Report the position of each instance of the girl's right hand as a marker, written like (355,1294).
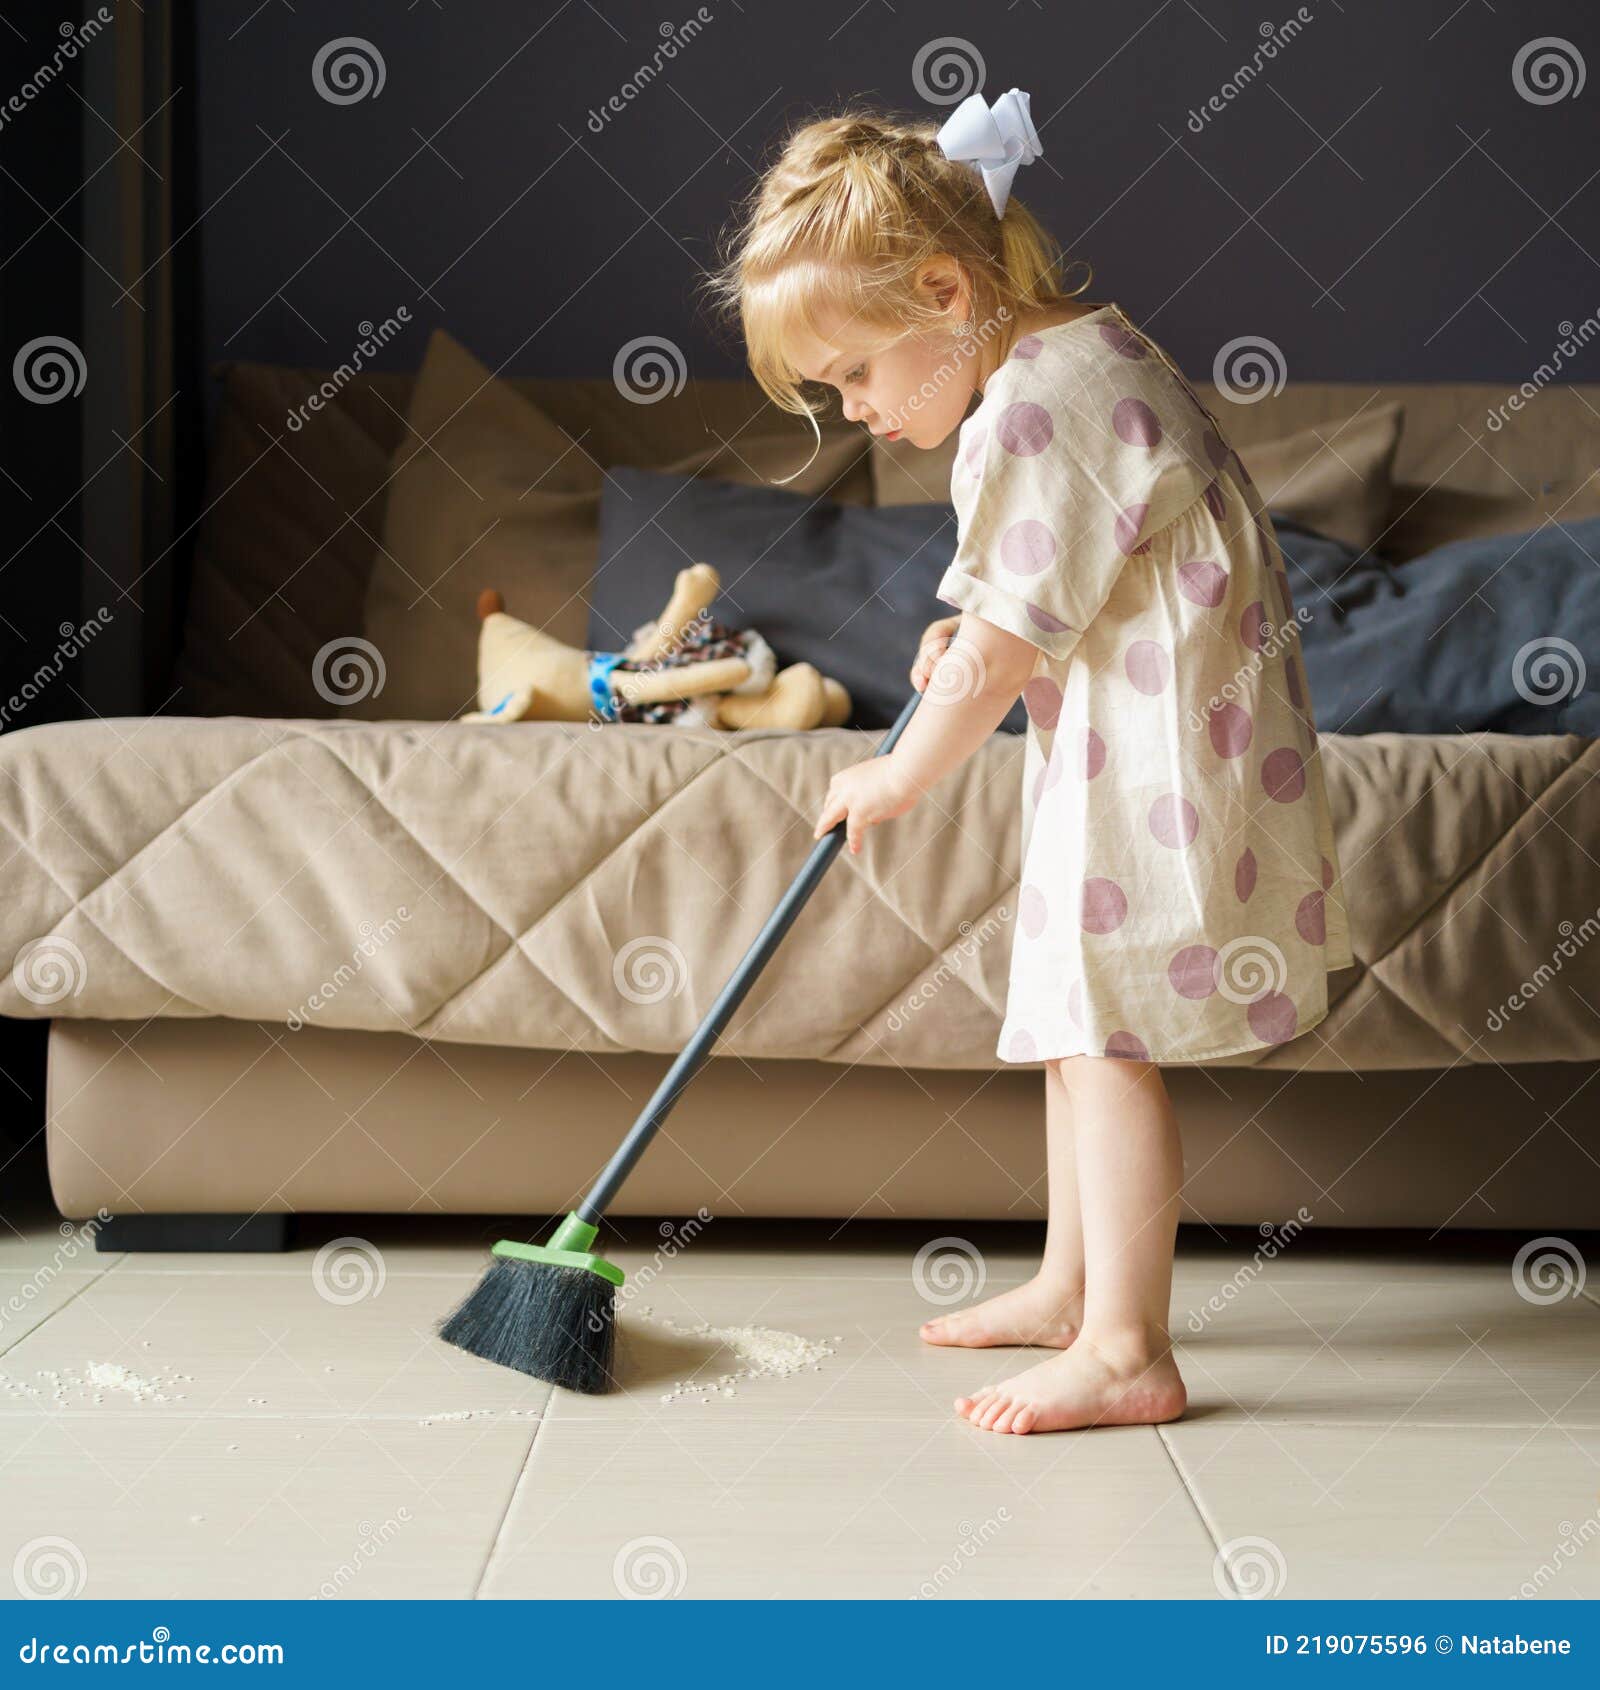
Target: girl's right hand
(935,638)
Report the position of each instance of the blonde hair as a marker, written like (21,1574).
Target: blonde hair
(846,220)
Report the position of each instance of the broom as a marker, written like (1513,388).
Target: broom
(550,1309)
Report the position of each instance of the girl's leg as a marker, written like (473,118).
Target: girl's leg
(1063,1262)
(1048,1309)
(1130,1172)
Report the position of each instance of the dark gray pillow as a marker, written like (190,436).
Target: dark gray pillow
(1499,634)
(846,587)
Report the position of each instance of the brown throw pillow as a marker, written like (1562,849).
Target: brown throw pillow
(1335,477)
(292,518)
(488,491)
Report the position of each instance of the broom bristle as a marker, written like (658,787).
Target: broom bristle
(554,1322)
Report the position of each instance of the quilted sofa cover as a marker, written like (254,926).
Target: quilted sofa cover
(565,887)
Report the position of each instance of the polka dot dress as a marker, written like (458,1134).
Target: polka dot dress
(1180,892)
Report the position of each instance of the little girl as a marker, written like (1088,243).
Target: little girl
(1180,897)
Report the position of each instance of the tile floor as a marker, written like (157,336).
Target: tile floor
(1371,1415)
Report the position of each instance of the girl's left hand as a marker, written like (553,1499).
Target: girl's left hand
(864,795)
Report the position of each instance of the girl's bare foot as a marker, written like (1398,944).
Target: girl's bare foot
(1041,1312)
(1122,1381)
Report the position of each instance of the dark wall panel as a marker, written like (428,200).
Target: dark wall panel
(1379,199)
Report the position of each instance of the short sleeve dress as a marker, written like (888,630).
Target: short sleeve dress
(1180,893)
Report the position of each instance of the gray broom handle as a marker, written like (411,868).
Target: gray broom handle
(732,995)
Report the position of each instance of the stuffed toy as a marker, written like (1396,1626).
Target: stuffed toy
(683,669)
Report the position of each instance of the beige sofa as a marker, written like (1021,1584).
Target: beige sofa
(574,899)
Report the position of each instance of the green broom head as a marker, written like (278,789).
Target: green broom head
(548,1310)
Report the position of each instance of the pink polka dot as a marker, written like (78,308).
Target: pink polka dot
(1042,697)
(972,452)
(1193,971)
(1215,502)
(1243,469)
(1043,619)
(1028,347)
(1311,919)
(1129,1047)
(1203,582)
(1027,547)
(1126,531)
(1024,428)
(1215,450)
(1297,695)
(1272,1018)
(1094,754)
(1121,341)
(1032,911)
(1148,666)
(1075,1003)
(1022,1048)
(1244,875)
(1105,905)
(1327,874)
(1174,821)
(1251,623)
(1135,424)
(1283,774)
(1231,730)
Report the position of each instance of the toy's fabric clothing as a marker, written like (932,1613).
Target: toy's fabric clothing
(1180,896)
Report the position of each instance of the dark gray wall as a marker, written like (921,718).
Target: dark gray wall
(1381,202)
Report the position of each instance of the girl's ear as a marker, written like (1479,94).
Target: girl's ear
(942,279)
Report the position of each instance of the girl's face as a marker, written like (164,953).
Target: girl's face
(918,389)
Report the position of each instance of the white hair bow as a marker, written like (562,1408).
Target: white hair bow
(997,139)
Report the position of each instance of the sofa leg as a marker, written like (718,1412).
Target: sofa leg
(250,1233)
